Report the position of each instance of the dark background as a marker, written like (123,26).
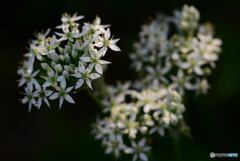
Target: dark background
(64,135)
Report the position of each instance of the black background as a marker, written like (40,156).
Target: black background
(64,135)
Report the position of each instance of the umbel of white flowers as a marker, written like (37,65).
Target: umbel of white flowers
(59,64)
(176,51)
(174,54)
(131,117)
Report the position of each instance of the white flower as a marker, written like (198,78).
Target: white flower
(68,35)
(52,78)
(202,86)
(101,129)
(70,19)
(85,75)
(42,94)
(158,72)
(130,125)
(193,64)
(63,93)
(27,77)
(95,59)
(114,145)
(69,27)
(208,47)
(53,44)
(97,25)
(37,51)
(158,128)
(138,150)
(41,36)
(148,120)
(180,82)
(29,98)
(137,60)
(106,42)
(188,18)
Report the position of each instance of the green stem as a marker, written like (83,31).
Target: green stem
(94,98)
(176,145)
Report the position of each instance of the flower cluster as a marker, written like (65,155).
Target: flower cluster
(176,51)
(132,117)
(59,64)
(174,54)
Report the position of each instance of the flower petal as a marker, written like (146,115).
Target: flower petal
(77,75)
(143,157)
(98,68)
(134,157)
(114,47)
(46,84)
(99,44)
(60,78)
(89,84)
(198,70)
(22,82)
(69,89)
(69,98)
(63,83)
(39,103)
(90,68)
(128,150)
(114,40)
(94,76)
(107,34)
(85,59)
(142,143)
(104,62)
(103,50)
(46,101)
(81,67)
(48,92)
(54,96)
(79,83)
(61,102)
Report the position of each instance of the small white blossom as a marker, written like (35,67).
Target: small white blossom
(52,78)
(63,93)
(70,19)
(95,59)
(27,74)
(29,98)
(53,44)
(181,82)
(42,94)
(68,35)
(107,42)
(188,18)
(85,75)
(114,145)
(139,150)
